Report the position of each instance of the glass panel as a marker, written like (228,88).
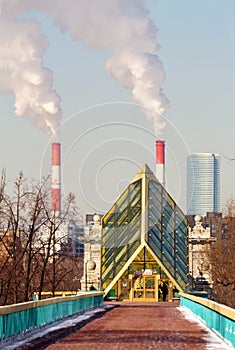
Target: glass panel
(168,232)
(149,282)
(138,293)
(121,231)
(139,287)
(149,294)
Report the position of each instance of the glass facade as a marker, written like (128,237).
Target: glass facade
(203,183)
(167,232)
(144,232)
(121,232)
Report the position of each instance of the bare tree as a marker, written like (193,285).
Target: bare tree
(222,259)
(30,240)
(31,246)
(11,210)
(56,231)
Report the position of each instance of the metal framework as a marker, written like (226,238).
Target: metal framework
(144,232)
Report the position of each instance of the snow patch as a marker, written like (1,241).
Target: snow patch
(213,339)
(55,326)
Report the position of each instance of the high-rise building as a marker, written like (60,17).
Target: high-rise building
(203,183)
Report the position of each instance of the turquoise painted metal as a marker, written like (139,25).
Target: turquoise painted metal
(216,316)
(20,318)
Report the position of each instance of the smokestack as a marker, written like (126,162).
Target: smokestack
(160,162)
(55,178)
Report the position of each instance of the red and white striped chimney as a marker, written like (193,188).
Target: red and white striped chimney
(160,162)
(55,178)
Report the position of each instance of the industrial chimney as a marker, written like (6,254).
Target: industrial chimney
(55,178)
(160,161)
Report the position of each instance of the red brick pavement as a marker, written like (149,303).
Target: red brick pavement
(137,326)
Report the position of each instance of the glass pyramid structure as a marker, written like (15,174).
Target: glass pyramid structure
(144,233)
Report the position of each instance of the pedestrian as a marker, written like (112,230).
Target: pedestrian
(164,291)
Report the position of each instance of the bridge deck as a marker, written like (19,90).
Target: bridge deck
(139,326)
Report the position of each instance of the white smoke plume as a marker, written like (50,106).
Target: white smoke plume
(122,27)
(21,69)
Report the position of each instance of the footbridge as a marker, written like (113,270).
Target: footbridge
(85,321)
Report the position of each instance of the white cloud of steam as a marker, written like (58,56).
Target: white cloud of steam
(22,72)
(122,27)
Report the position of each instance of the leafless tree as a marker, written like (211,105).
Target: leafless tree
(11,219)
(222,260)
(56,232)
(30,237)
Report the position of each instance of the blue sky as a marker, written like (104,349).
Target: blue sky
(105,137)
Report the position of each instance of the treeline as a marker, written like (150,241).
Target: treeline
(34,252)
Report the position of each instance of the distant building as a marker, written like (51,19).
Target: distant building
(200,241)
(89,219)
(92,253)
(75,237)
(219,226)
(203,183)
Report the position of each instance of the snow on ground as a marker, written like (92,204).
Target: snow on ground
(40,332)
(213,339)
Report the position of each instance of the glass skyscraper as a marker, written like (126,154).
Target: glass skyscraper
(203,183)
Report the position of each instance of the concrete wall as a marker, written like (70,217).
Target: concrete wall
(217,317)
(18,318)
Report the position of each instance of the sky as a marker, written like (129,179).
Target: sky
(104,133)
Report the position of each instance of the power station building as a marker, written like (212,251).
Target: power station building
(144,243)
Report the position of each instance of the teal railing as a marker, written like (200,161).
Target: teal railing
(19,318)
(217,317)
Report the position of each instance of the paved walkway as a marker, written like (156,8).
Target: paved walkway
(138,326)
